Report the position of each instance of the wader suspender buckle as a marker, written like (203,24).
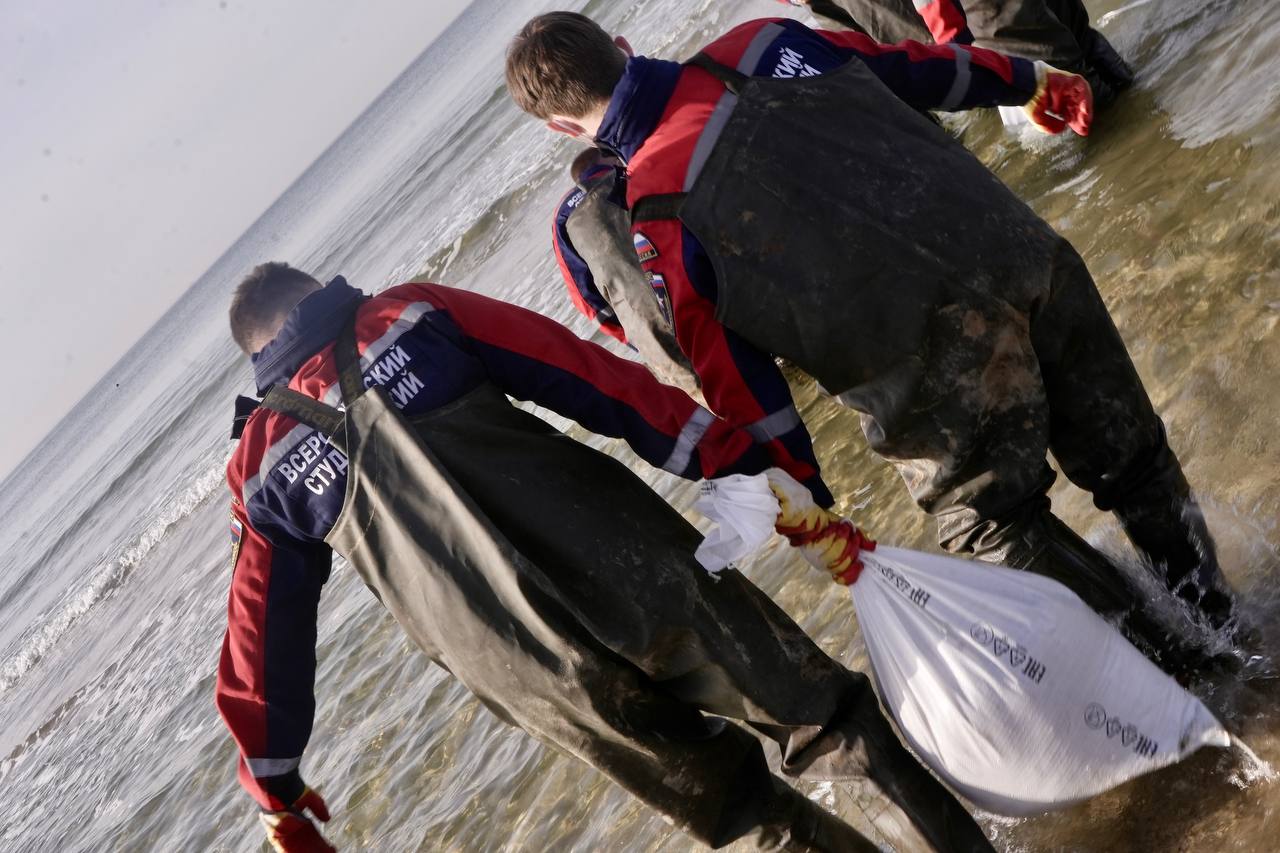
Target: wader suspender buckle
(732,78)
(653,208)
(347,356)
(667,205)
(314,413)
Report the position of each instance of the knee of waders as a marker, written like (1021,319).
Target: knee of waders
(1008,536)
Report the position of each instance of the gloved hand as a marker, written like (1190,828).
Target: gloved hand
(1061,100)
(828,542)
(291,831)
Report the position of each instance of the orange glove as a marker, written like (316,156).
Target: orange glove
(828,542)
(291,831)
(1062,100)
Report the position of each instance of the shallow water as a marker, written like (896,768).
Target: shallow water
(113,570)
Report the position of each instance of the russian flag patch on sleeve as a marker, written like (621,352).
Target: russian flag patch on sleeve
(237,534)
(659,284)
(645,250)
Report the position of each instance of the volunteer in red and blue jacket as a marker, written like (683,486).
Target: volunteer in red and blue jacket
(543,574)
(799,206)
(591,237)
(1055,31)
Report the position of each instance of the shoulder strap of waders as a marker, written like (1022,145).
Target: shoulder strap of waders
(309,411)
(657,207)
(667,205)
(347,356)
(732,78)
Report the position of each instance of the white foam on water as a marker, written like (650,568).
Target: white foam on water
(1251,769)
(1115,13)
(107,578)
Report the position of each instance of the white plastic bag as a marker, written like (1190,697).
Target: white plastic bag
(1005,683)
(1014,118)
(745,510)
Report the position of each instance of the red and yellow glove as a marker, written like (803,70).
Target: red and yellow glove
(828,542)
(1062,100)
(291,831)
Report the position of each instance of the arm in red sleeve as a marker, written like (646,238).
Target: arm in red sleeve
(265,685)
(941,76)
(531,357)
(741,383)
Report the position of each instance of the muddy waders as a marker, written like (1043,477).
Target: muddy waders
(1055,31)
(886,21)
(1034,29)
(921,292)
(563,593)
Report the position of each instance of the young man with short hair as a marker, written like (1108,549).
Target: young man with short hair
(543,574)
(799,206)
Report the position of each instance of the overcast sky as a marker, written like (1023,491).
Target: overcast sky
(138,140)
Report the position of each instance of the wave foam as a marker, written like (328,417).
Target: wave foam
(106,579)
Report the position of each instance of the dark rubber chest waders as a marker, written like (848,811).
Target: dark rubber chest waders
(886,21)
(856,239)
(563,593)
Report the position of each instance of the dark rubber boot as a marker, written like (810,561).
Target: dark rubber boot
(1174,654)
(1109,64)
(1166,525)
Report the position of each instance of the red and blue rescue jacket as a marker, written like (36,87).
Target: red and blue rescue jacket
(654,121)
(426,345)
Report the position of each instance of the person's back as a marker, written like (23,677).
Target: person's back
(879,195)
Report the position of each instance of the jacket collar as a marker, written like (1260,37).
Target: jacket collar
(637,104)
(311,326)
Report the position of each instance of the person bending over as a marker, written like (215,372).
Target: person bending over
(1055,31)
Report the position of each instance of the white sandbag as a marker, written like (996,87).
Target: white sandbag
(1005,683)
(1012,689)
